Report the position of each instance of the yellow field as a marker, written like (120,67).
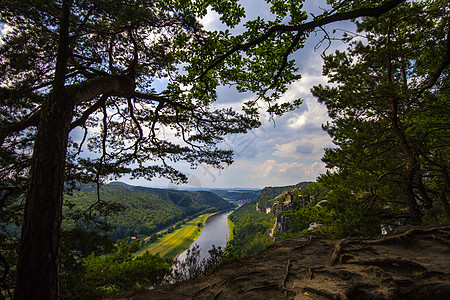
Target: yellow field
(170,245)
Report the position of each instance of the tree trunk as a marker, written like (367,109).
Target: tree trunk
(38,268)
(410,157)
(40,246)
(408,190)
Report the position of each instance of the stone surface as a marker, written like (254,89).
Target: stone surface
(414,264)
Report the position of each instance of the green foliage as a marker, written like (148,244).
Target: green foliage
(146,210)
(340,218)
(78,244)
(389,106)
(120,271)
(301,196)
(268,194)
(192,267)
(94,61)
(250,231)
(313,192)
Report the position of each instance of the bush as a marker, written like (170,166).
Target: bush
(120,271)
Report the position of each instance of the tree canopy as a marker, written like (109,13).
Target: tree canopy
(389,107)
(129,75)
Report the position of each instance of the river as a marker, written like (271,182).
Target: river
(215,232)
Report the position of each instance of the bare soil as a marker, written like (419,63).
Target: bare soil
(414,264)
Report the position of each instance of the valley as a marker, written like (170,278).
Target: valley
(172,244)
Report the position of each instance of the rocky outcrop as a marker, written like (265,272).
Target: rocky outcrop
(279,209)
(410,265)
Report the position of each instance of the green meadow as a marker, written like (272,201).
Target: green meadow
(230,229)
(171,244)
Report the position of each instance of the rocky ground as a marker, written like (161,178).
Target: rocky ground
(414,264)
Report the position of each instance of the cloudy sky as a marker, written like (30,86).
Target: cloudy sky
(283,152)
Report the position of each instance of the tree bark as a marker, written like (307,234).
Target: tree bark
(40,247)
(38,268)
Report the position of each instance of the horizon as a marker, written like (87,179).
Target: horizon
(284,150)
(118,182)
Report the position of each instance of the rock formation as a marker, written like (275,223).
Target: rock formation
(414,264)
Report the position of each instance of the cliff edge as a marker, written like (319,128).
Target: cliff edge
(413,264)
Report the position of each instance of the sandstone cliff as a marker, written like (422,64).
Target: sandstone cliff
(414,264)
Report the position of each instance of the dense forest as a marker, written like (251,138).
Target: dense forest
(93,69)
(141,211)
(97,255)
(254,225)
(250,231)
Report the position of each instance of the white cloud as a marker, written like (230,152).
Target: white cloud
(310,147)
(297,121)
(287,153)
(211,21)
(286,172)
(4,31)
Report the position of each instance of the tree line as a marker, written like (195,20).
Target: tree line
(88,66)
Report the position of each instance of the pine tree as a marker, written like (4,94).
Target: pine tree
(96,66)
(389,103)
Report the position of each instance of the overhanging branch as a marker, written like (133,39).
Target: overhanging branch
(89,111)
(362,12)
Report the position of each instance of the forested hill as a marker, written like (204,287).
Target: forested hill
(268,194)
(144,210)
(236,195)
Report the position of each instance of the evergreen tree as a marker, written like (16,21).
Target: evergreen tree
(389,105)
(95,65)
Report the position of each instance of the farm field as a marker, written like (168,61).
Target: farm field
(171,244)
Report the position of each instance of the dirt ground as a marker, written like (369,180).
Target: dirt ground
(414,264)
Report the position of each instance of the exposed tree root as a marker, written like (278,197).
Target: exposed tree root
(303,245)
(217,295)
(444,241)
(336,252)
(339,274)
(226,280)
(201,290)
(310,274)
(283,283)
(429,274)
(350,291)
(400,237)
(380,262)
(386,268)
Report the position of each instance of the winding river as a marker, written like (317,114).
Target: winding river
(215,233)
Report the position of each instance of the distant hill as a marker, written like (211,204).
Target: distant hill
(147,210)
(236,195)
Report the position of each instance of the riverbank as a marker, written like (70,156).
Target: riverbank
(230,230)
(171,244)
(413,264)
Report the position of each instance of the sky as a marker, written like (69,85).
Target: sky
(282,152)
